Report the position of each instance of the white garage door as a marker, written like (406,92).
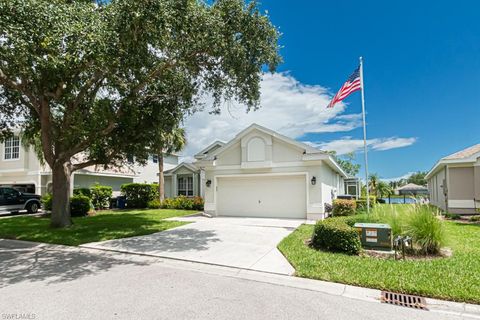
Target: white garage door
(262,196)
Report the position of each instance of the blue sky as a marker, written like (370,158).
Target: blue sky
(422,70)
(422,80)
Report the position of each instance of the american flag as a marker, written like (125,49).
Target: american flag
(352,84)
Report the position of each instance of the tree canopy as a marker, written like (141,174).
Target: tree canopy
(89,83)
(347,163)
(418,178)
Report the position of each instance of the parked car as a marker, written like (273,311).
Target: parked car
(12,200)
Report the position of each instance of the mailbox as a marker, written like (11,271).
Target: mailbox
(375,235)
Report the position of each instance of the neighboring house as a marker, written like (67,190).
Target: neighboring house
(20,168)
(261,173)
(454,182)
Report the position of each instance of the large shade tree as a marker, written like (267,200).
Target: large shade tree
(87,83)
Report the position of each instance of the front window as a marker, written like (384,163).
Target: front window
(12,148)
(185,186)
(155,158)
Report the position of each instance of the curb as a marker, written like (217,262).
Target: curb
(331,288)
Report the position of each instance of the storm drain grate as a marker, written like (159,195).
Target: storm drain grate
(404,300)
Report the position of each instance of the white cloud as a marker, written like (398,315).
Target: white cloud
(393,143)
(405,176)
(287,106)
(347,144)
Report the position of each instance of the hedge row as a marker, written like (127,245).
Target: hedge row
(80,205)
(180,202)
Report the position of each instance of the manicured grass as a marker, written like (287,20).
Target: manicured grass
(455,278)
(106,225)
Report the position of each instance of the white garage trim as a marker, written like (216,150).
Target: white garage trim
(214,205)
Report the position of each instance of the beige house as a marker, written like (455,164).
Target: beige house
(20,168)
(261,173)
(454,182)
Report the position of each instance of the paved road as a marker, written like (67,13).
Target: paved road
(57,283)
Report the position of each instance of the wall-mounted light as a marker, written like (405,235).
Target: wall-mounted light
(209,183)
(313,181)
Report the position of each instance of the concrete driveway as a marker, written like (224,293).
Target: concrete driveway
(247,243)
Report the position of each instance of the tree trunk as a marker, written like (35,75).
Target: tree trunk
(61,179)
(161,179)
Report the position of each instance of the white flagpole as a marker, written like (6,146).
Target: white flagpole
(364,133)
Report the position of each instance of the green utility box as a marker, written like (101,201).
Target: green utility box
(375,235)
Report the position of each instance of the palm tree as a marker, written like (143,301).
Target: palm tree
(372,183)
(383,189)
(169,142)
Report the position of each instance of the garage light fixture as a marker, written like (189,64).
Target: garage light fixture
(209,183)
(313,181)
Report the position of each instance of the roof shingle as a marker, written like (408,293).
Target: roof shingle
(466,153)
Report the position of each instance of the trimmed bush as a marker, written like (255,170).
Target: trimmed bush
(335,235)
(139,194)
(79,205)
(343,207)
(47,202)
(154,204)
(82,191)
(101,196)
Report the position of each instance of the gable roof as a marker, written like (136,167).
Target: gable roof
(465,153)
(307,148)
(187,165)
(203,153)
(309,151)
(468,155)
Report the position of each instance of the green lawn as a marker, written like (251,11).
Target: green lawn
(455,278)
(106,225)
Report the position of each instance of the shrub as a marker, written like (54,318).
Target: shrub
(82,191)
(101,196)
(139,194)
(362,203)
(47,202)
(168,203)
(154,204)
(342,207)
(79,205)
(335,235)
(183,203)
(426,229)
(474,218)
(198,203)
(453,216)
